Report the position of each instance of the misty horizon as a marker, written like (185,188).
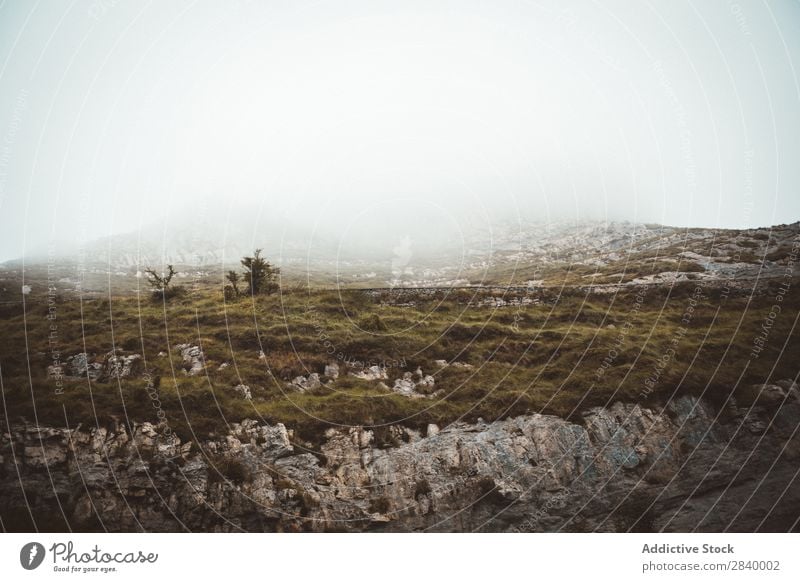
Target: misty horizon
(373,122)
(234,231)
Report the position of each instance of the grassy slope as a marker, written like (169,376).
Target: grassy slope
(536,358)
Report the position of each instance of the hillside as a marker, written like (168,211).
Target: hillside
(614,323)
(529,254)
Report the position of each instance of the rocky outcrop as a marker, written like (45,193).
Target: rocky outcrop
(193,359)
(332,370)
(119,366)
(244,391)
(371,373)
(306,383)
(112,366)
(415,385)
(682,467)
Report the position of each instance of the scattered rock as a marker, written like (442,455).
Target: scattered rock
(244,391)
(427,381)
(408,386)
(332,370)
(304,384)
(123,366)
(371,373)
(404,386)
(80,365)
(462,365)
(112,366)
(192,359)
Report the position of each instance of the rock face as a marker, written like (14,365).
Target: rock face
(679,468)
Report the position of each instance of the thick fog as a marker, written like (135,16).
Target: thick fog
(357,120)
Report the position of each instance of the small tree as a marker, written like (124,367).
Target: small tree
(233,278)
(259,274)
(161,283)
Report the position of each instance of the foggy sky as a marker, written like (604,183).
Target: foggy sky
(376,117)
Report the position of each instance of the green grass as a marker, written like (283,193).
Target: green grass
(537,358)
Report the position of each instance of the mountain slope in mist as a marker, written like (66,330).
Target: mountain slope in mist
(418,254)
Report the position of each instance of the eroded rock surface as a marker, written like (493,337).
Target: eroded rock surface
(625,467)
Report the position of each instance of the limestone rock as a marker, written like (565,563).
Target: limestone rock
(678,468)
(304,384)
(244,391)
(118,366)
(411,383)
(462,365)
(81,366)
(371,373)
(193,359)
(404,386)
(112,366)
